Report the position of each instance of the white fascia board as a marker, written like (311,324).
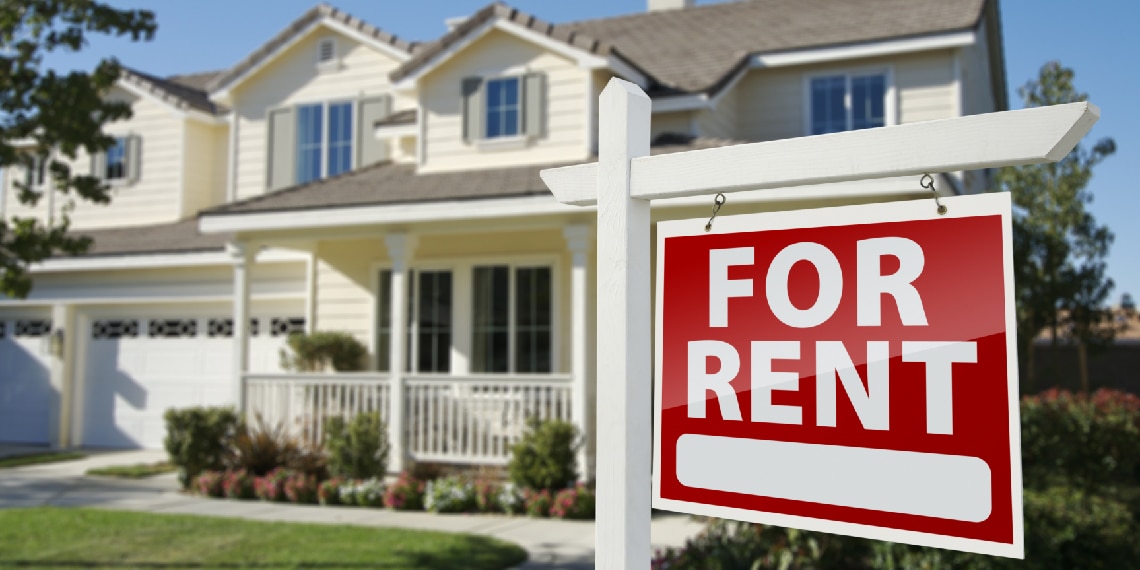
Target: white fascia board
(864,50)
(396,131)
(626,71)
(681,103)
(410,82)
(451,210)
(156,261)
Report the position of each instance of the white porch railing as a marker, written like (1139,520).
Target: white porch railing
(302,402)
(476,419)
(449,419)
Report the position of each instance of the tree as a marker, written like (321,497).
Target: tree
(1059,248)
(48,118)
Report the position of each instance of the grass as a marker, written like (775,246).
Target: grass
(136,471)
(39,458)
(85,538)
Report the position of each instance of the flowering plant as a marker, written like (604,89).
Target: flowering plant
(509,499)
(537,503)
(301,488)
(272,486)
(238,485)
(405,494)
(209,483)
(574,503)
(449,495)
(369,493)
(486,496)
(328,492)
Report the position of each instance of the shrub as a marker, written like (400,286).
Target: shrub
(405,494)
(209,483)
(358,448)
(369,493)
(272,486)
(197,438)
(238,485)
(301,488)
(261,448)
(537,503)
(510,499)
(545,456)
(450,495)
(487,496)
(317,351)
(731,544)
(328,492)
(1084,441)
(574,503)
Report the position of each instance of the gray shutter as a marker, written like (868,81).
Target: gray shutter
(134,157)
(369,149)
(282,151)
(99,165)
(534,104)
(472,109)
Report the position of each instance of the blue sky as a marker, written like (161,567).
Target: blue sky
(1097,39)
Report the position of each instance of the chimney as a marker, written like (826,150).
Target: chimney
(453,23)
(660,5)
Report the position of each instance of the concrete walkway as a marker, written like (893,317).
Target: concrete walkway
(550,543)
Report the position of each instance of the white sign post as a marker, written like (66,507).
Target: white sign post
(624,181)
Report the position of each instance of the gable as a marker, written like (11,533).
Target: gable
(495,52)
(296,75)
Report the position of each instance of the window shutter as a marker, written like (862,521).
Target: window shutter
(29,173)
(534,104)
(369,149)
(282,151)
(99,165)
(134,157)
(472,109)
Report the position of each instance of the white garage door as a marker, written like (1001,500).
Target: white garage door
(25,381)
(137,368)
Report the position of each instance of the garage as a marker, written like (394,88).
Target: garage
(138,366)
(26,394)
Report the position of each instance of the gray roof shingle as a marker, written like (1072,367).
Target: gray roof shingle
(182,91)
(389,183)
(177,237)
(696,49)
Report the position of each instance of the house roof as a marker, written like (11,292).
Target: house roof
(182,91)
(177,237)
(311,16)
(696,49)
(390,183)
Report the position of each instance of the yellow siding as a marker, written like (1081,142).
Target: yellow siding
(284,279)
(204,187)
(771,101)
(494,54)
(345,286)
(293,78)
(720,122)
(155,197)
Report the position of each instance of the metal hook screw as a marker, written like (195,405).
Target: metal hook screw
(927,181)
(718,201)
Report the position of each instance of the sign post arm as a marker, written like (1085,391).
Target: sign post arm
(624,374)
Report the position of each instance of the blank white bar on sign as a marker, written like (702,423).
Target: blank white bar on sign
(954,487)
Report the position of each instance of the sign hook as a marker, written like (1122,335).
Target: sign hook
(927,181)
(718,201)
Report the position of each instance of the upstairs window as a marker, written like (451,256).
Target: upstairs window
(503,109)
(847,102)
(120,163)
(324,140)
(35,172)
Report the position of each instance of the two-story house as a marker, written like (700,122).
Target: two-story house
(340,178)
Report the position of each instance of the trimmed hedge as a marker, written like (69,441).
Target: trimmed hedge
(197,440)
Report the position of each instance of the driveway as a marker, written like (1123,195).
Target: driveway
(552,544)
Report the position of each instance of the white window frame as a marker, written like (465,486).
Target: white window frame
(39,169)
(890,93)
(326,124)
(512,311)
(463,312)
(503,142)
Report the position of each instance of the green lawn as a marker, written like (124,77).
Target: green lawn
(82,538)
(136,471)
(38,458)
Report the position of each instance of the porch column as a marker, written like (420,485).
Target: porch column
(578,238)
(242,256)
(400,248)
(62,341)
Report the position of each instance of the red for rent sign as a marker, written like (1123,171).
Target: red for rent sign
(849,370)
